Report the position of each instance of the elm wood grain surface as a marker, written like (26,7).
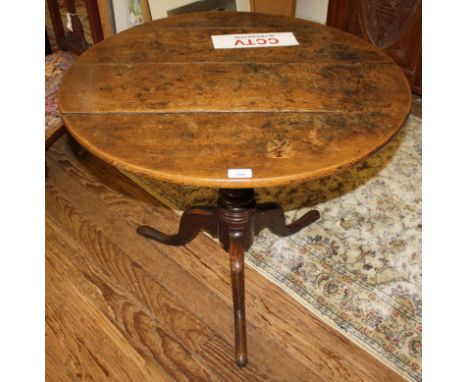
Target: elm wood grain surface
(287,118)
(161,89)
(95,264)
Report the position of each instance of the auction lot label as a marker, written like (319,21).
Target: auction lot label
(254,40)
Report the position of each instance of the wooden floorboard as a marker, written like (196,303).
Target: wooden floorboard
(82,342)
(167,308)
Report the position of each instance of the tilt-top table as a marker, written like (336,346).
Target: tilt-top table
(160,101)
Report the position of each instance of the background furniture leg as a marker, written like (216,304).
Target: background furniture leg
(75,146)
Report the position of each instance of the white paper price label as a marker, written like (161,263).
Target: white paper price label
(239,173)
(254,40)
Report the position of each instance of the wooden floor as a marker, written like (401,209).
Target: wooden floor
(122,308)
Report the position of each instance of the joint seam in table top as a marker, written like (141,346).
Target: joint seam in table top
(232,112)
(323,63)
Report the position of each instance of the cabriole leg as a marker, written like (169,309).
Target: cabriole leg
(236,255)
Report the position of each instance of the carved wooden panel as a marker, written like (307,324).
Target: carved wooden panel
(391,25)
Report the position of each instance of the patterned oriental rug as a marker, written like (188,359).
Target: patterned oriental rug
(359,266)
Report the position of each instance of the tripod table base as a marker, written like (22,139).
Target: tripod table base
(235,222)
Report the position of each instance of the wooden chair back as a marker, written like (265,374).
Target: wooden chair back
(73,39)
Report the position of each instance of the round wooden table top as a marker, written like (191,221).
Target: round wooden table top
(158,100)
